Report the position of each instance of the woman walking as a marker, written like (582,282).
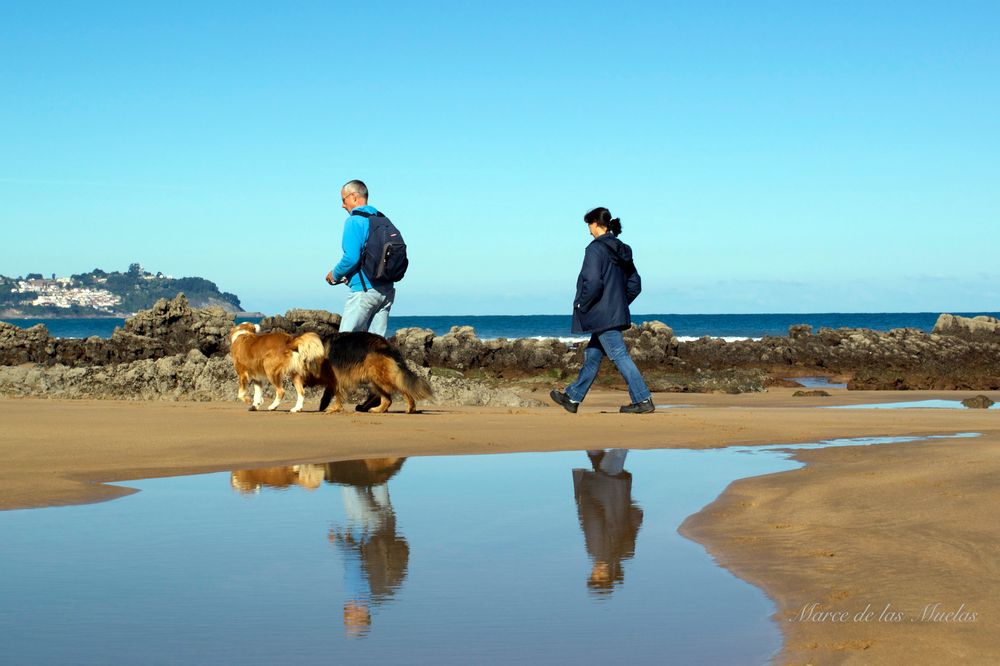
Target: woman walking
(608,283)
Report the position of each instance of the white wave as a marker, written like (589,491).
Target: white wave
(575,340)
(562,339)
(726,338)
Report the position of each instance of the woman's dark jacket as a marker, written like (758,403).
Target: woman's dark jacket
(608,283)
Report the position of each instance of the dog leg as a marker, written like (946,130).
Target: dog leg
(301,391)
(411,406)
(279,395)
(328,380)
(258,396)
(338,401)
(384,402)
(324,402)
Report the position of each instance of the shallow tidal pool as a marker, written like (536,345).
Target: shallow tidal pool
(568,557)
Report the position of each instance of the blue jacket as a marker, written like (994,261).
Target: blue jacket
(355,235)
(608,283)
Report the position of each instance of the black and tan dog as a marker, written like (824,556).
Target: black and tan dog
(358,359)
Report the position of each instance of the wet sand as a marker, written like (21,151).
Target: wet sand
(877,555)
(909,525)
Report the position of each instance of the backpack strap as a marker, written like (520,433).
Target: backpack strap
(364,246)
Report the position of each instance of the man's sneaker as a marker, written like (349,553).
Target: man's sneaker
(563,400)
(644,407)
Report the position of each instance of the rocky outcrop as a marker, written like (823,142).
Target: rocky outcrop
(735,380)
(28,345)
(982,329)
(978,402)
(967,357)
(194,376)
(652,343)
(816,393)
(175,352)
(461,349)
(297,321)
(191,376)
(903,358)
(170,327)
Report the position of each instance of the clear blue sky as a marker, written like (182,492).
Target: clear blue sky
(763,157)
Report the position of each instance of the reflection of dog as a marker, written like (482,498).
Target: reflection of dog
(308,476)
(365,358)
(274,357)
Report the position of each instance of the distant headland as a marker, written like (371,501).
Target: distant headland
(101,294)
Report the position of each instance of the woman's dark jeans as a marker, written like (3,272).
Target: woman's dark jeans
(610,344)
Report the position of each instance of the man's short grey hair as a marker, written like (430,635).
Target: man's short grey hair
(357,187)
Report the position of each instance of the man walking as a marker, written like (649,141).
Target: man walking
(367,307)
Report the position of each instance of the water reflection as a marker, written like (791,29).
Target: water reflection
(375,555)
(248,481)
(609,518)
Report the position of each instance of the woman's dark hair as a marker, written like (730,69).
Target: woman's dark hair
(602,217)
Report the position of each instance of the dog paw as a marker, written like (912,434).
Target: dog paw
(252,408)
(295,410)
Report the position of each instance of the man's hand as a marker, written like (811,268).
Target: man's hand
(329,278)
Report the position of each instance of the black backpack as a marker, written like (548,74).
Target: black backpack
(383,256)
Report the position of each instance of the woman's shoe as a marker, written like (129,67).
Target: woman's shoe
(563,401)
(644,407)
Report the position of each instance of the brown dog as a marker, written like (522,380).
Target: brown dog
(275,357)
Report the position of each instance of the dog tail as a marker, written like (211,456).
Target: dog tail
(307,354)
(414,384)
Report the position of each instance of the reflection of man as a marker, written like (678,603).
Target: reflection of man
(375,557)
(609,519)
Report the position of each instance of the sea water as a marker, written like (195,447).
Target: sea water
(685,326)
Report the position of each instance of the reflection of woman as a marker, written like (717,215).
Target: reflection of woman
(609,519)
(607,284)
(375,557)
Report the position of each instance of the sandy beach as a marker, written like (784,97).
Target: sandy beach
(905,525)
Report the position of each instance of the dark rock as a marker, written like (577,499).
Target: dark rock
(414,343)
(652,342)
(818,393)
(174,327)
(23,345)
(978,402)
(459,348)
(298,321)
(731,381)
(798,331)
(781,382)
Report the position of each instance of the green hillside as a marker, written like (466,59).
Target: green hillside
(99,293)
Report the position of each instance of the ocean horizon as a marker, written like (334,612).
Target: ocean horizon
(685,326)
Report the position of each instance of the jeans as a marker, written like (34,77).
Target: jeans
(368,310)
(610,344)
